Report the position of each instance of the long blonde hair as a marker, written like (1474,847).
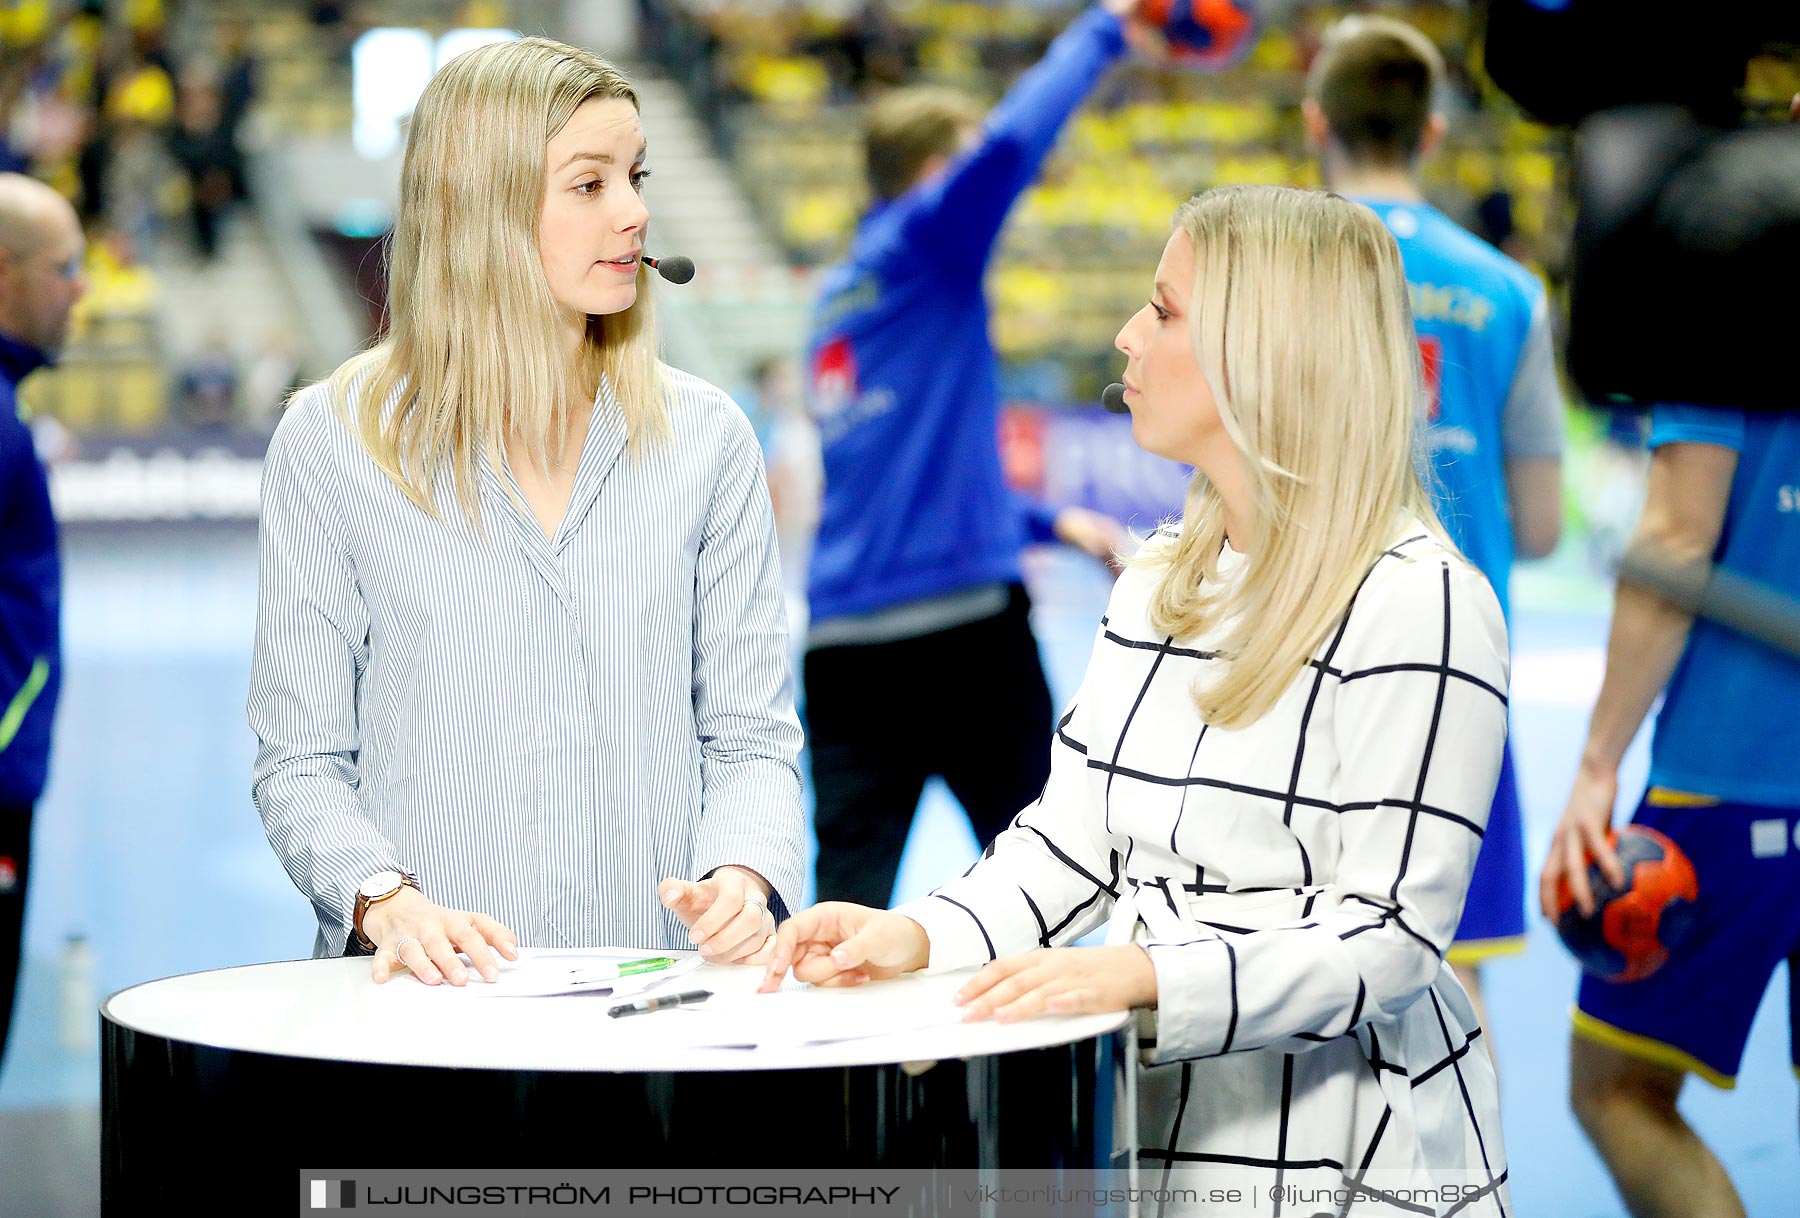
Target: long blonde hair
(1300,323)
(474,346)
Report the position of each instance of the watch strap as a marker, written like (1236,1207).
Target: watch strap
(362,904)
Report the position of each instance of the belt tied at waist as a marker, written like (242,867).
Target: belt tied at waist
(1171,913)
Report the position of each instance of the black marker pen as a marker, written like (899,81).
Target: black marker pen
(659,1003)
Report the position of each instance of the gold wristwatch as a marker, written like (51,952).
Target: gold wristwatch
(376,889)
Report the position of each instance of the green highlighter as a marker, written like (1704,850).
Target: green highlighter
(631,968)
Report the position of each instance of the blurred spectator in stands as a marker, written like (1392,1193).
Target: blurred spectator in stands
(42,123)
(15,79)
(140,105)
(888,50)
(873,50)
(238,77)
(208,385)
(332,21)
(202,146)
(119,283)
(684,41)
(91,76)
(142,91)
(148,26)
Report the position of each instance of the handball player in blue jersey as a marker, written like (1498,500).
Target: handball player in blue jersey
(1724,785)
(920,658)
(1496,409)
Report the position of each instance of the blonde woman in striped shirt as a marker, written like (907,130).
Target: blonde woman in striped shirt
(521,674)
(1273,781)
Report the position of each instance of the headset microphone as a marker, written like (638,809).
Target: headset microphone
(676,268)
(1114,399)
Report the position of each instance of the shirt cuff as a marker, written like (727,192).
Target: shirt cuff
(955,937)
(341,893)
(1196,999)
(756,826)
(777,906)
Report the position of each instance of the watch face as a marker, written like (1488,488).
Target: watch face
(381,884)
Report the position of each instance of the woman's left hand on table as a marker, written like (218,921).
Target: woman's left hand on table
(727,914)
(1061,981)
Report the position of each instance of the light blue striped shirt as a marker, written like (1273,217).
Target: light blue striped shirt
(540,730)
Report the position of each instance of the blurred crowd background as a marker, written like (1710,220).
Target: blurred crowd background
(235,162)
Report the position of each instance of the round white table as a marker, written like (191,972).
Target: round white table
(263,1070)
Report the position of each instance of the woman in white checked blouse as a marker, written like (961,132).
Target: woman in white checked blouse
(1274,778)
(521,674)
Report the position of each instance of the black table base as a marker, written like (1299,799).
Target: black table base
(176,1115)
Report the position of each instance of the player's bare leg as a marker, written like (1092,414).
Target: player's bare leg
(1627,1107)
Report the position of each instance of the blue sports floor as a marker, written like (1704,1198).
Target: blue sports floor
(148,846)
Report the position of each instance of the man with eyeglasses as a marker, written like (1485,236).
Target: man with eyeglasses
(41,249)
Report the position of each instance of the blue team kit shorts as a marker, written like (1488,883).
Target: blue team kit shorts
(1493,920)
(1694,1013)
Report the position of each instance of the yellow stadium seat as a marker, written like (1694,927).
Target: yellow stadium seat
(138,397)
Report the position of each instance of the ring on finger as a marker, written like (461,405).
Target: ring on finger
(761,905)
(403,942)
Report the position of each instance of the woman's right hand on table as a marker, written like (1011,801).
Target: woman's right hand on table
(837,943)
(409,929)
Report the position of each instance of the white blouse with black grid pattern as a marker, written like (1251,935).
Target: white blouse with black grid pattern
(1295,882)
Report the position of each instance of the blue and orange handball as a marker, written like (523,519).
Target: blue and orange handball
(1633,929)
(1207,35)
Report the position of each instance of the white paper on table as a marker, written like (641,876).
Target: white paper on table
(791,1018)
(544,973)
